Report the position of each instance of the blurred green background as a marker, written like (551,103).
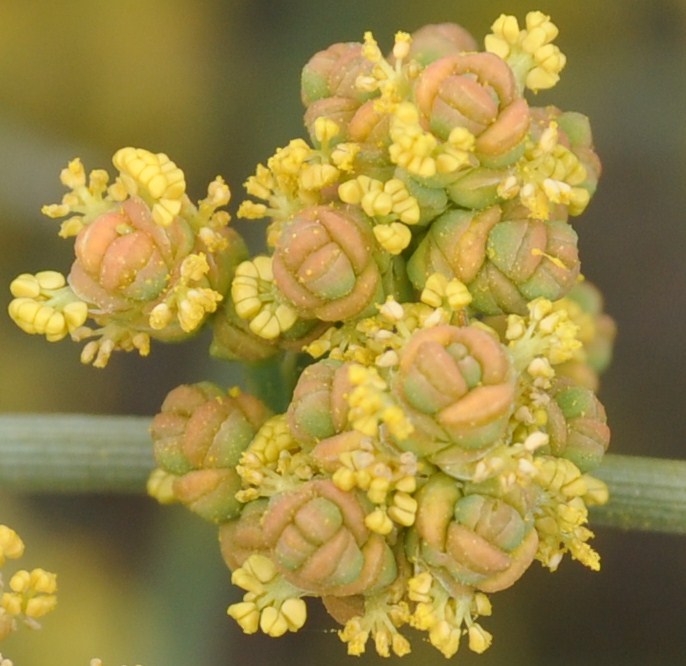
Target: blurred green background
(216,86)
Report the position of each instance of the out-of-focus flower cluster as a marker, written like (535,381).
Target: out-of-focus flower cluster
(27,595)
(420,253)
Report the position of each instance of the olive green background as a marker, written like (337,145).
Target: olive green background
(216,86)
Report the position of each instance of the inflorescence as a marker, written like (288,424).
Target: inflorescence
(419,253)
(28,595)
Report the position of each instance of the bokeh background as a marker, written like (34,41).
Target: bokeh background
(215,84)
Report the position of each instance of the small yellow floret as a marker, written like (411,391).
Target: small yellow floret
(256,299)
(44,305)
(439,291)
(535,61)
(393,237)
(401,47)
(379,522)
(195,305)
(411,148)
(249,210)
(370,48)
(74,175)
(316,177)
(247,616)
(479,639)
(403,509)
(11,545)
(325,129)
(160,486)
(343,155)
(154,177)
(160,316)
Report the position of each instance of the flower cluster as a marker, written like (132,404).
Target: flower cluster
(149,264)
(28,595)
(421,260)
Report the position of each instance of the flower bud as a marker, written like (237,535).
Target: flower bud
(597,334)
(199,436)
(478,540)
(434,41)
(529,259)
(504,263)
(455,245)
(210,493)
(575,134)
(128,266)
(588,435)
(369,128)
(333,72)
(242,537)
(324,264)
(124,257)
(340,110)
(458,387)
(476,91)
(319,406)
(477,188)
(320,543)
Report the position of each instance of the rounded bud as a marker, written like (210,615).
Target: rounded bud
(319,406)
(457,385)
(137,273)
(587,433)
(455,245)
(324,264)
(505,263)
(528,259)
(319,541)
(574,132)
(124,257)
(434,41)
(199,436)
(242,537)
(476,91)
(477,540)
(333,72)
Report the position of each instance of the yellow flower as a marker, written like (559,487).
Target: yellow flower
(11,545)
(31,593)
(257,300)
(535,60)
(153,177)
(45,305)
(271,603)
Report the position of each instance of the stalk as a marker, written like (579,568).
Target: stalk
(647,494)
(76,453)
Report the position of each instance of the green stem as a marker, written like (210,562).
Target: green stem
(645,494)
(273,380)
(74,453)
(112,454)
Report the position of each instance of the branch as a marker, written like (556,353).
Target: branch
(75,453)
(645,494)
